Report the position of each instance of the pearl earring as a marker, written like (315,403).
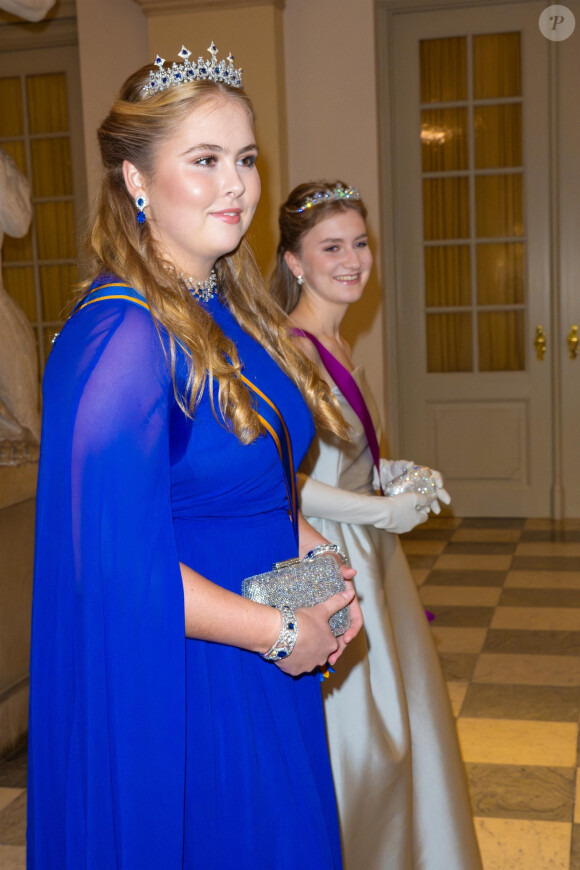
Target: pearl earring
(300,280)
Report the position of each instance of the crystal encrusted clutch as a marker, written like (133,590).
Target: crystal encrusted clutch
(419,479)
(300,583)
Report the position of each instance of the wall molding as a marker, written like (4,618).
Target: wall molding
(167,7)
(14,37)
(57,29)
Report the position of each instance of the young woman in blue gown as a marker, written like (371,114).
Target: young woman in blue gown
(160,736)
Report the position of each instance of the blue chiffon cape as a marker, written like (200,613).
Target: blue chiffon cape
(148,750)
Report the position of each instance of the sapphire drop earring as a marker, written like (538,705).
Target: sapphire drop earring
(141,203)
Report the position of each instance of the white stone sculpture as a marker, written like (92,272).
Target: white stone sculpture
(30,10)
(19,415)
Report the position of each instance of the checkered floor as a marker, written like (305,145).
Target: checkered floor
(506,594)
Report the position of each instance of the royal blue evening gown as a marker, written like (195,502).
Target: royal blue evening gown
(149,750)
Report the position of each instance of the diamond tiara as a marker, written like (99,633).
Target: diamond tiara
(337,193)
(204,70)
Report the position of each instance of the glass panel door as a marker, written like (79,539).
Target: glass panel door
(473,226)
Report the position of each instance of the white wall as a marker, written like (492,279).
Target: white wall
(112,37)
(331,93)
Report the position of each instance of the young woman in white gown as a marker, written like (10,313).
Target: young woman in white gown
(399,778)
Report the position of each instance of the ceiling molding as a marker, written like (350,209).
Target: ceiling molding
(167,7)
(407,6)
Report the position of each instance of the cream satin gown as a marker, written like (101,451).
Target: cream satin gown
(399,778)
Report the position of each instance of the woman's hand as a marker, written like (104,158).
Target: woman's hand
(399,513)
(356,619)
(389,469)
(442,494)
(315,644)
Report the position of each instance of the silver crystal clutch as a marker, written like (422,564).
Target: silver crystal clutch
(419,479)
(300,583)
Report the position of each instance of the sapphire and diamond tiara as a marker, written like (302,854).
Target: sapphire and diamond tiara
(210,69)
(334,194)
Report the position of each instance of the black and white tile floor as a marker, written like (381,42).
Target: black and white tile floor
(506,595)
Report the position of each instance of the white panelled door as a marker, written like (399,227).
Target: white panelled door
(477,95)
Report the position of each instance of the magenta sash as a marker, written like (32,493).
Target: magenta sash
(351,392)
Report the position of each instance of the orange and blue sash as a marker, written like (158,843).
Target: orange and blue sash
(268,414)
(111,290)
(273,422)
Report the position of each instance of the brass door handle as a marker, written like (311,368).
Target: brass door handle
(573,342)
(540,342)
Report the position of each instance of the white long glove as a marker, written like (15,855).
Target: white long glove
(397,514)
(392,468)
(389,469)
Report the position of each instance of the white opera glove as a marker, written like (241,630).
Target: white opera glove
(397,514)
(389,470)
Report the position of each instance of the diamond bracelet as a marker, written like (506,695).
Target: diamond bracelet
(328,548)
(287,637)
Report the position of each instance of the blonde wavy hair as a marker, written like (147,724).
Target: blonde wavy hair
(134,129)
